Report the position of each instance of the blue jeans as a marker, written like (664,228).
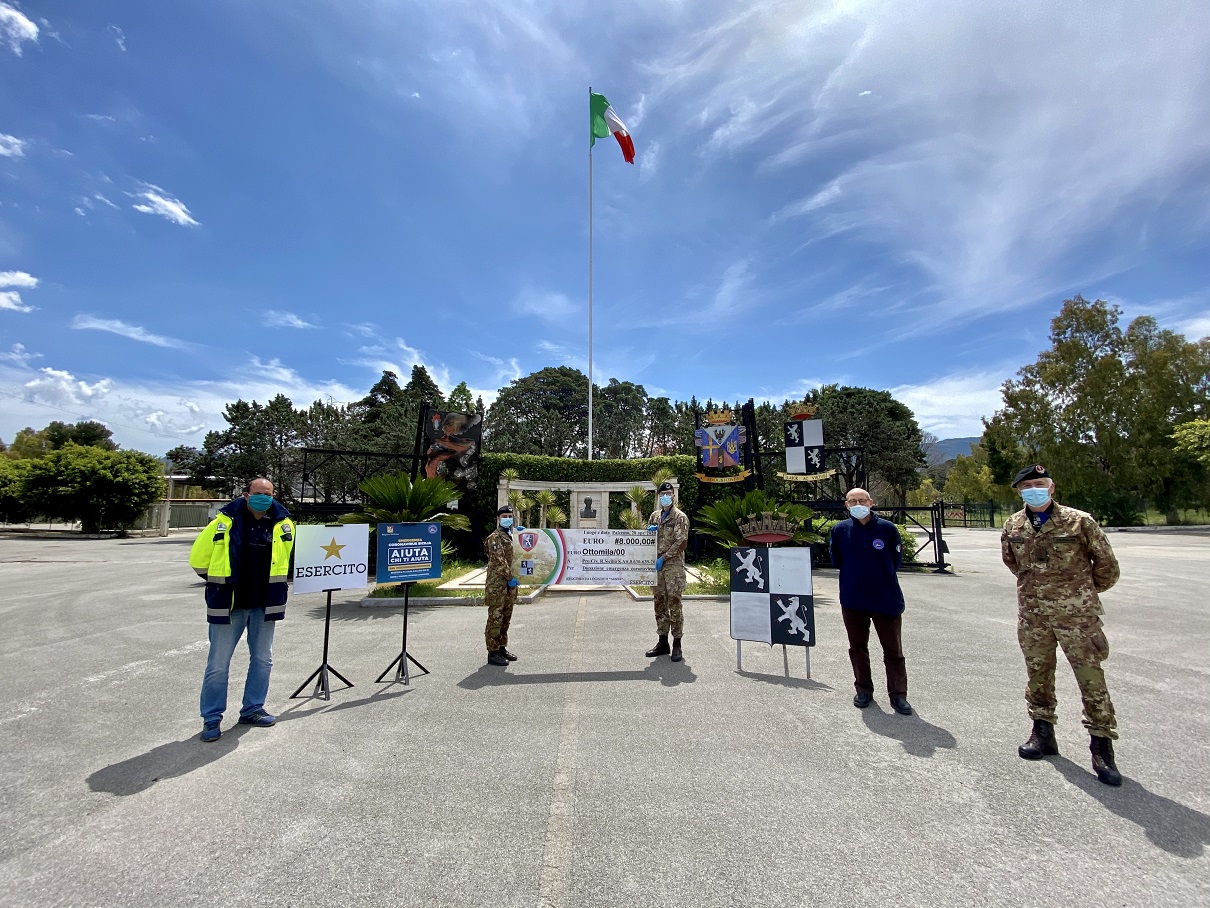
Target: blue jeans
(223,640)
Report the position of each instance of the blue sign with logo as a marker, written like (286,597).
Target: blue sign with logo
(408,551)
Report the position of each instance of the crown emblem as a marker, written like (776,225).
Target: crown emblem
(766,527)
(802,410)
(718,417)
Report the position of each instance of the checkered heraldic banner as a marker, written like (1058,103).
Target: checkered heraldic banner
(804,446)
(771,600)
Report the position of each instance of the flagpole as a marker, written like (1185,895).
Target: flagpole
(590,283)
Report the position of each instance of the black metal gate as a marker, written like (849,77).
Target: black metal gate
(928,519)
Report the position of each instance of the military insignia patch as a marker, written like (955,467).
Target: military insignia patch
(528,541)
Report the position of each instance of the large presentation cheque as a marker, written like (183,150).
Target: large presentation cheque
(585,557)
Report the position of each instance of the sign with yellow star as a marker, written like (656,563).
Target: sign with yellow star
(331,558)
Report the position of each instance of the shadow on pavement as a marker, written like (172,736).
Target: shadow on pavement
(1177,829)
(167,761)
(783,681)
(918,737)
(669,674)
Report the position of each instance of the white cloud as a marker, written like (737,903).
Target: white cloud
(157,201)
(952,406)
(63,389)
(998,149)
(276,318)
(133,332)
(21,279)
(11,300)
(1195,328)
(18,354)
(16,28)
(11,146)
(119,36)
(100,118)
(548,305)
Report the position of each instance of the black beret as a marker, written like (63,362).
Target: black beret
(666,487)
(1037,471)
(504,509)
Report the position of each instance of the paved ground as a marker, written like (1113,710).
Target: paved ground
(586,775)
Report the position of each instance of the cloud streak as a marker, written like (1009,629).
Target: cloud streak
(276,318)
(120,328)
(157,201)
(11,146)
(16,29)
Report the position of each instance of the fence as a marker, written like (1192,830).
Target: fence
(928,520)
(182,515)
(972,514)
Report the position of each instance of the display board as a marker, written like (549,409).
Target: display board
(408,552)
(771,598)
(585,557)
(331,557)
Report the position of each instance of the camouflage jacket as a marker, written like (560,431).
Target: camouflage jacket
(1061,566)
(499,547)
(673,534)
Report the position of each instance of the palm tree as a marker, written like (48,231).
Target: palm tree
(395,498)
(520,505)
(556,516)
(722,519)
(634,518)
(545,500)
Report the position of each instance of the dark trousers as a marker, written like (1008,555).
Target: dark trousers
(889,629)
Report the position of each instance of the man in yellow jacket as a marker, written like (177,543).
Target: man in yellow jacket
(244,557)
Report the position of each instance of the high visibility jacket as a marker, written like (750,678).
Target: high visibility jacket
(215,556)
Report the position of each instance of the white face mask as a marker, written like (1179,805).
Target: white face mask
(859,511)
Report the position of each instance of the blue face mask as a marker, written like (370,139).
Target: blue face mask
(260,502)
(1036,498)
(859,511)
(506,522)
(665,501)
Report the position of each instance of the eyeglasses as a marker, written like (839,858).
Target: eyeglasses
(859,501)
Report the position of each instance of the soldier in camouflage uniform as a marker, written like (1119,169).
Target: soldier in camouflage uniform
(500,589)
(671,526)
(1061,560)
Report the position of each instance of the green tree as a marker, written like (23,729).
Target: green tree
(422,389)
(880,425)
(969,480)
(29,443)
(618,415)
(395,498)
(542,413)
(14,507)
(1099,409)
(1193,438)
(460,399)
(101,489)
(86,433)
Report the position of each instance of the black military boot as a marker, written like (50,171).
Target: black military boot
(495,658)
(507,655)
(1102,761)
(676,649)
(661,648)
(1041,742)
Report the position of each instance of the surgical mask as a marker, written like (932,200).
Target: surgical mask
(665,501)
(260,502)
(506,522)
(1036,498)
(860,511)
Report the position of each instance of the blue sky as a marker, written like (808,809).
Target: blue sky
(201,201)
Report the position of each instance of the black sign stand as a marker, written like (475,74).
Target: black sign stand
(402,660)
(322,685)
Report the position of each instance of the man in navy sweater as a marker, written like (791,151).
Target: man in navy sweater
(867,551)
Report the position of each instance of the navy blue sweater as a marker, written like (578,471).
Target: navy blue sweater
(868,555)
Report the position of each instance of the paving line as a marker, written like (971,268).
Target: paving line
(556,857)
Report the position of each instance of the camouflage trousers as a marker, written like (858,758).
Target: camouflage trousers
(500,601)
(669,617)
(1084,644)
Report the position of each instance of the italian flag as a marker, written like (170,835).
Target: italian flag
(604,121)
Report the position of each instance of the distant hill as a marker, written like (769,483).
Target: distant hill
(949,448)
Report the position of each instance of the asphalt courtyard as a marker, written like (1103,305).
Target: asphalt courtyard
(586,774)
